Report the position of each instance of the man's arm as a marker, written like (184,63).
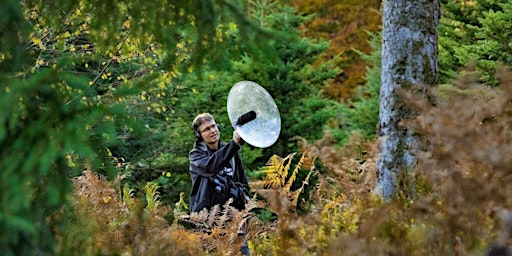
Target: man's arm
(207,165)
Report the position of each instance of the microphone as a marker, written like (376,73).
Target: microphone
(245,118)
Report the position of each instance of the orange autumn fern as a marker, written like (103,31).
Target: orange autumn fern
(104,223)
(277,183)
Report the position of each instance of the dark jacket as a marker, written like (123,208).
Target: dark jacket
(204,165)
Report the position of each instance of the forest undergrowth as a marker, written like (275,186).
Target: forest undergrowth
(456,202)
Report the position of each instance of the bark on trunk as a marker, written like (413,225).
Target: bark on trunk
(409,59)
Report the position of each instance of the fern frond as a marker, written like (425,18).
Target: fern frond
(279,181)
(277,199)
(200,219)
(287,186)
(212,217)
(128,198)
(296,193)
(276,171)
(274,160)
(286,168)
(225,216)
(120,177)
(181,205)
(273,172)
(152,196)
(294,199)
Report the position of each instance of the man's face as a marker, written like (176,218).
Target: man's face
(210,132)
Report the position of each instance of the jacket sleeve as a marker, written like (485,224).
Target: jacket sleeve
(207,164)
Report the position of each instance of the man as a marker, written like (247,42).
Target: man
(215,168)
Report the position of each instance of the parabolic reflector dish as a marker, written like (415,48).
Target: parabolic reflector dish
(246,98)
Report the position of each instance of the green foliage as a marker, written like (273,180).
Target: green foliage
(152,196)
(83,89)
(166,24)
(293,80)
(494,45)
(479,33)
(361,113)
(13,28)
(289,76)
(46,138)
(72,72)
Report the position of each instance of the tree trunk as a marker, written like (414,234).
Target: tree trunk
(409,60)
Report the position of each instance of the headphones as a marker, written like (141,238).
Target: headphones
(197,133)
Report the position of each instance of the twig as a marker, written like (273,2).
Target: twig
(103,70)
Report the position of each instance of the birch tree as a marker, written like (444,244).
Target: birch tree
(409,61)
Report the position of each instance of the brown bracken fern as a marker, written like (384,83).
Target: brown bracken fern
(110,221)
(455,202)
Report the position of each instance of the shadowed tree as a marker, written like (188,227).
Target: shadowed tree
(409,62)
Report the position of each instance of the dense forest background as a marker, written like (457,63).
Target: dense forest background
(98,98)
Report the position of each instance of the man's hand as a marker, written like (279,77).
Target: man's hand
(236,138)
